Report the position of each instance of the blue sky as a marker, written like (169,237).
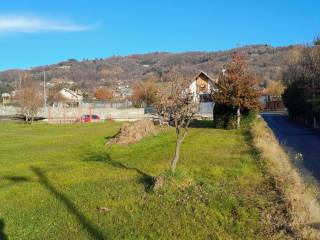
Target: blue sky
(39,32)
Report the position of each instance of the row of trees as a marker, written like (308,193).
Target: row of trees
(302,78)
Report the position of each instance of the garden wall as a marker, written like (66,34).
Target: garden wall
(53,113)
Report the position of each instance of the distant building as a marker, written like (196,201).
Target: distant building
(65,67)
(71,97)
(123,91)
(202,87)
(6,98)
(273,103)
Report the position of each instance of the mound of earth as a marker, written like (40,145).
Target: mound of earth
(131,133)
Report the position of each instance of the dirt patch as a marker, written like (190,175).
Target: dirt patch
(131,133)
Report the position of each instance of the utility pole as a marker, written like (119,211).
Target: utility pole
(313,103)
(44,90)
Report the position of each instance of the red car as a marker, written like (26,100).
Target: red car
(89,118)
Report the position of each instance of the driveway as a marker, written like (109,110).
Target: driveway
(301,142)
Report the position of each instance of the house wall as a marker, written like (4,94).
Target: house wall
(6,100)
(71,96)
(104,113)
(206,109)
(69,115)
(194,87)
(8,110)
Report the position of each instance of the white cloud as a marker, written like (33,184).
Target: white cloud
(31,24)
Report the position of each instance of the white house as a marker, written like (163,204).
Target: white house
(71,96)
(6,97)
(202,87)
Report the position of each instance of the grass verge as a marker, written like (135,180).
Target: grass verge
(302,206)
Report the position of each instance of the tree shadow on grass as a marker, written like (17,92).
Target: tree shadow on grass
(3,236)
(146,179)
(13,180)
(16,179)
(202,124)
(108,138)
(90,228)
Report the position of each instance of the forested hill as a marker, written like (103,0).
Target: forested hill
(266,61)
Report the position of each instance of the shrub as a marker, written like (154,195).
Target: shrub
(225,117)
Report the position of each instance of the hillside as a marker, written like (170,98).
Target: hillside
(266,61)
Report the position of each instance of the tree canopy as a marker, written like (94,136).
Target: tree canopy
(237,87)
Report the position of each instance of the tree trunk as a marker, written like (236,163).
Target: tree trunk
(177,152)
(238,117)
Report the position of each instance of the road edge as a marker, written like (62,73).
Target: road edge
(301,204)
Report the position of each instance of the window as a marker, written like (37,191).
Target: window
(202,87)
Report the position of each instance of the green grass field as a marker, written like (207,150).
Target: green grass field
(53,178)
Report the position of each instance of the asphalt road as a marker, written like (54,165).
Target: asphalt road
(301,142)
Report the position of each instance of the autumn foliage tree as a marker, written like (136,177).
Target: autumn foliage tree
(275,89)
(103,94)
(144,92)
(175,105)
(29,96)
(237,87)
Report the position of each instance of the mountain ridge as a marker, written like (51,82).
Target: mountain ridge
(265,61)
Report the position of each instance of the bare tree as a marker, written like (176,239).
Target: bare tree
(275,89)
(29,97)
(175,105)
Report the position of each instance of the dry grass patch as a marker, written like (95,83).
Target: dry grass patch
(302,205)
(134,132)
